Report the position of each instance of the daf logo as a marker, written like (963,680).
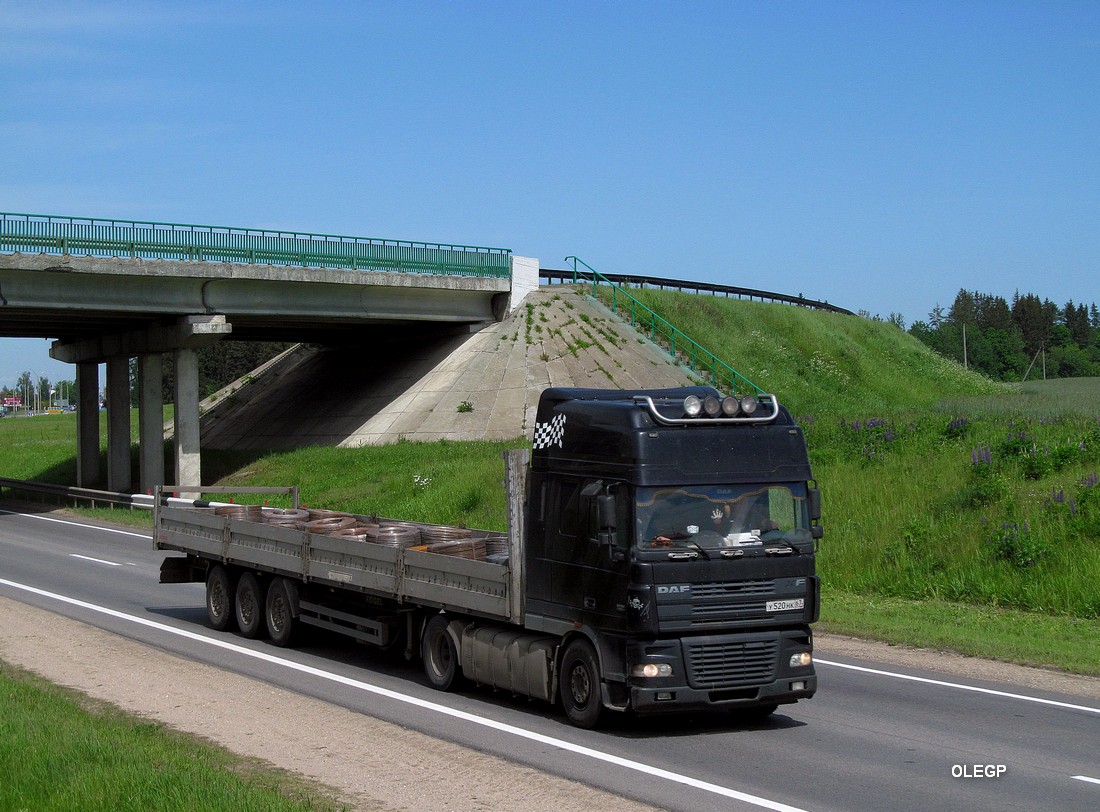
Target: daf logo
(673,590)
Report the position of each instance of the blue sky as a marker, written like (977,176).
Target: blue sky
(877,155)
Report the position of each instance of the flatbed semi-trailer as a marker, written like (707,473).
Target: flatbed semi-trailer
(659,557)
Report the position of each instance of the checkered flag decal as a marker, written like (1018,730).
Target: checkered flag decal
(548,434)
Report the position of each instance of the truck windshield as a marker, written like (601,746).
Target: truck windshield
(712,516)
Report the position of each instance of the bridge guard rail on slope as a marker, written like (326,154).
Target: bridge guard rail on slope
(661,332)
(50,234)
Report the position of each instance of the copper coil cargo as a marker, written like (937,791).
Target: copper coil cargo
(473,549)
(250,513)
(330,524)
(319,513)
(393,535)
(358,532)
(279,515)
(434,533)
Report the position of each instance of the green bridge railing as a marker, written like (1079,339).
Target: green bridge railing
(681,346)
(50,234)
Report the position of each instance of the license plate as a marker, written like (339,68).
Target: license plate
(784,606)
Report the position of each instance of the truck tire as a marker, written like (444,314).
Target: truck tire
(221,589)
(580,684)
(248,606)
(282,626)
(440,655)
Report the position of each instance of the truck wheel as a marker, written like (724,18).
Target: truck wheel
(440,654)
(248,606)
(220,591)
(282,626)
(580,684)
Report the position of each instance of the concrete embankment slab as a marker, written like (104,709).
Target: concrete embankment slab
(473,386)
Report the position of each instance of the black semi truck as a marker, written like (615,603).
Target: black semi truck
(659,558)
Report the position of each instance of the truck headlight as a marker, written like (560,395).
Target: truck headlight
(801,660)
(651,670)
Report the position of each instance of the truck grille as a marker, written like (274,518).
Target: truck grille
(716,604)
(727,665)
(719,589)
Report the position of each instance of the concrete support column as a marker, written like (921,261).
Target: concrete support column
(151,421)
(525,279)
(188,464)
(87,425)
(119,475)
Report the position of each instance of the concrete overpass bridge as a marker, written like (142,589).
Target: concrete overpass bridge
(108,291)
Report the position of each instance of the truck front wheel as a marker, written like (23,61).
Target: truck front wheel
(220,591)
(248,606)
(580,684)
(440,654)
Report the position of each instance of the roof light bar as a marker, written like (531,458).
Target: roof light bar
(748,409)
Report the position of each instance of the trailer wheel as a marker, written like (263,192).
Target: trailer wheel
(440,654)
(580,684)
(282,626)
(220,591)
(248,606)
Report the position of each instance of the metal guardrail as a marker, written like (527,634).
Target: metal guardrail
(133,500)
(663,283)
(664,333)
(52,234)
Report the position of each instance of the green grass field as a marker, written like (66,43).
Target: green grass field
(106,761)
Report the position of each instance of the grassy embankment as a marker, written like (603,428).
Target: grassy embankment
(960,513)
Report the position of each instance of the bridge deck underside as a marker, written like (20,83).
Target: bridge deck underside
(86,297)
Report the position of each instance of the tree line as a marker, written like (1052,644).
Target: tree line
(1026,339)
(37,394)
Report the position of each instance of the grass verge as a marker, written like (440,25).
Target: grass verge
(110,761)
(1025,638)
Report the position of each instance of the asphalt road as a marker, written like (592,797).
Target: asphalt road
(875,737)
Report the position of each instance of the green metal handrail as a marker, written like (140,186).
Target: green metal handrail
(662,332)
(51,234)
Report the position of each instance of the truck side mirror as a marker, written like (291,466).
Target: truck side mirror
(814,503)
(605,511)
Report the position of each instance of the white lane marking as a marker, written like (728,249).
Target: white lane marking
(145,536)
(96,560)
(646,769)
(1086,778)
(957,685)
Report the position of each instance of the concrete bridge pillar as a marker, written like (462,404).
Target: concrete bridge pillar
(87,424)
(151,420)
(119,474)
(188,460)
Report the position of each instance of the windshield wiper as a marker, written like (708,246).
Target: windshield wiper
(695,544)
(781,550)
(689,553)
